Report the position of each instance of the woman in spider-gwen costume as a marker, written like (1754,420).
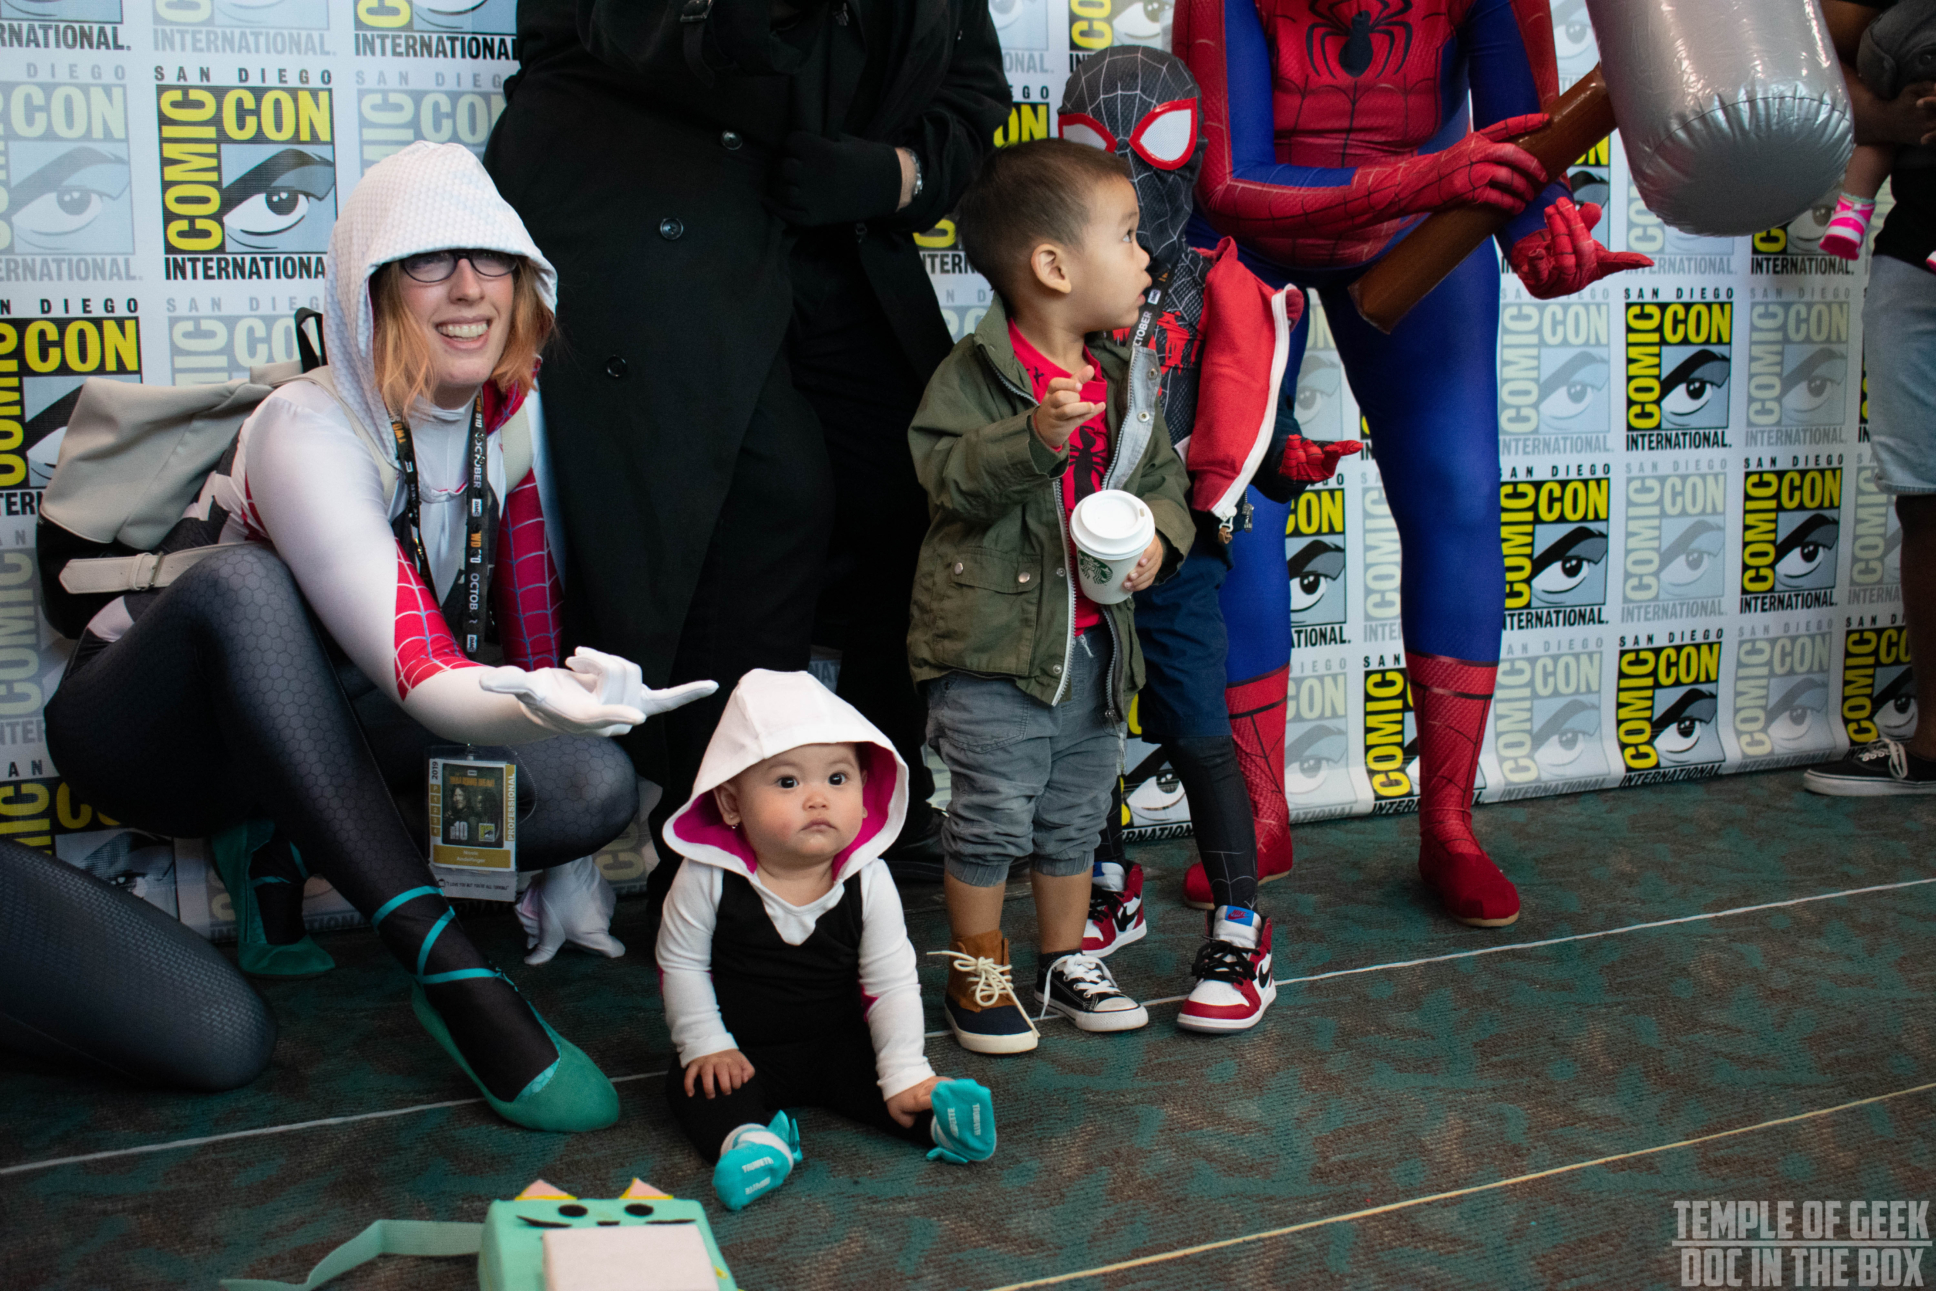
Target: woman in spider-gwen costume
(1333,127)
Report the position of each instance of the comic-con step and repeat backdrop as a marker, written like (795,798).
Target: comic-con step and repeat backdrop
(1702,576)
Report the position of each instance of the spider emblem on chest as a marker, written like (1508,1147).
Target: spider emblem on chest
(1336,42)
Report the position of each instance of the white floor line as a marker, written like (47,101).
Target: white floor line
(172,1144)
(1557,941)
(932,1035)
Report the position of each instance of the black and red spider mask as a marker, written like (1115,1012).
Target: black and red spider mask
(1141,104)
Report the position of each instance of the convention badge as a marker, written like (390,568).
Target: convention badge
(473,796)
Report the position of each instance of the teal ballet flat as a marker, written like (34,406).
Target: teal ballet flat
(232,848)
(569,1096)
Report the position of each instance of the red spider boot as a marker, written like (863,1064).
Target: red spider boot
(1257,724)
(1449,699)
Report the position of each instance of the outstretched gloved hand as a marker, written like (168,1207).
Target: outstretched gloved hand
(1481,169)
(619,681)
(1563,258)
(562,701)
(569,903)
(1310,462)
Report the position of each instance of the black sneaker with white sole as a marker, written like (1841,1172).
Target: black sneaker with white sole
(1079,987)
(1882,769)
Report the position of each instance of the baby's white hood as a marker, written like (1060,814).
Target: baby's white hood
(767,714)
(428,197)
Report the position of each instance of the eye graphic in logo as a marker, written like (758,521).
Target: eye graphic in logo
(1320,401)
(1690,563)
(1314,770)
(1812,383)
(465,15)
(1314,569)
(1566,743)
(1569,565)
(71,200)
(1695,392)
(271,13)
(277,202)
(62,10)
(1573,389)
(1683,727)
(1573,41)
(1805,230)
(1895,701)
(1144,22)
(1798,715)
(1805,549)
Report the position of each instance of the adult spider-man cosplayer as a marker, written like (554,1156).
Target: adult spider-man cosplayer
(1332,127)
(1222,340)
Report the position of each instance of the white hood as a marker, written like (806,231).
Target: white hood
(767,714)
(428,197)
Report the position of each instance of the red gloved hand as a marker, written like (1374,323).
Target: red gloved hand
(1479,170)
(1310,462)
(1563,258)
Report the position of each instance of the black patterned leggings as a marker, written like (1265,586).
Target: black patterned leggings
(222,704)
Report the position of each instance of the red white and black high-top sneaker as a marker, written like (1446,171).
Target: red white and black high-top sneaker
(1233,972)
(1115,908)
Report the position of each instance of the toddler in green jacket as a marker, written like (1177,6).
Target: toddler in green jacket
(1027,679)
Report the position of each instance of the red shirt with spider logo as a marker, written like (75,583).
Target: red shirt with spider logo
(1088,449)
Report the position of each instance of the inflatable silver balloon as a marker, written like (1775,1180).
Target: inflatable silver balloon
(1734,113)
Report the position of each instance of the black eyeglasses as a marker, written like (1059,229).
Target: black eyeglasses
(436,266)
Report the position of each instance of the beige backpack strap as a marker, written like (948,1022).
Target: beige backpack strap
(381,450)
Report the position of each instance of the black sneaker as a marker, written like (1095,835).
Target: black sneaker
(1080,988)
(1881,769)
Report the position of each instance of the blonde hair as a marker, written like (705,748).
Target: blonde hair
(401,353)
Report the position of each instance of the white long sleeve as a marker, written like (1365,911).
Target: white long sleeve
(889,983)
(685,953)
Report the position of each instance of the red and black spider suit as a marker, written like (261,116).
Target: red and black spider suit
(1333,127)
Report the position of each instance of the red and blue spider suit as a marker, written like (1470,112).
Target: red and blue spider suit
(1333,127)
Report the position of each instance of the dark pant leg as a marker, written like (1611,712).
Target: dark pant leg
(707,1121)
(576,793)
(221,703)
(753,607)
(849,366)
(843,1079)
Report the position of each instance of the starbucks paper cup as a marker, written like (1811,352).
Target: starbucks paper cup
(1111,529)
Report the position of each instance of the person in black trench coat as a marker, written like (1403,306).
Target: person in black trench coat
(730,191)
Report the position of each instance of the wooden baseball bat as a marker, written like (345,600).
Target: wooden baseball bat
(1386,292)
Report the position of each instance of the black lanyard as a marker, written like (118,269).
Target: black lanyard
(1152,308)
(467,605)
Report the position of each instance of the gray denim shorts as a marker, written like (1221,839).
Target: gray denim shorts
(1028,780)
(1899,336)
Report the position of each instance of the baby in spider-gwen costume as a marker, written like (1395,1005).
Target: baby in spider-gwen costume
(784,960)
(1221,340)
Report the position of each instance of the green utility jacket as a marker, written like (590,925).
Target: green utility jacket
(994,593)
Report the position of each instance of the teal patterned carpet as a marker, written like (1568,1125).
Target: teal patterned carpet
(1635,1006)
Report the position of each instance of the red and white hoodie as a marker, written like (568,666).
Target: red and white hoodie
(767,714)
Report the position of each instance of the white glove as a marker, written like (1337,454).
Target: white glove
(562,701)
(618,681)
(569,903)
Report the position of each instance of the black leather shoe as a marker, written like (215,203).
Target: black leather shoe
(916,854)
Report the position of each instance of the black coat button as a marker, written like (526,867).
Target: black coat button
(860,231)
(615,367)
(672,228)
(729,140)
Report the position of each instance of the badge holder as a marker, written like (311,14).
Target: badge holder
(473,801)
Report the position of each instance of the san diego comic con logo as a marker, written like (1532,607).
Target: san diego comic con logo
(1795,248)
(1546,723)
(1314,558)
(278,28)
(1098,24)
(1317,744)
(1320,379)
(1672,563)
(1678,360)
(42,365)
(248,181)
(1875,566)
(467,30)
(1878,684)
(1791,523)
(1798,371)
(1391,741)
(1862,1243)
(1383,568)
(1553,377)
(1666,701)
(54,25)
(1781,697)
(388,121)
(1673,251)
(213,347)
(1555,536)
(64,164)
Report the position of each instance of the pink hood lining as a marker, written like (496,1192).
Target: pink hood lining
(767,714)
